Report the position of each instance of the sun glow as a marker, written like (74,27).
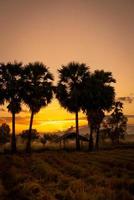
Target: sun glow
(61,125)
(51,119)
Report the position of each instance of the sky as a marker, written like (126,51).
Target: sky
(99,33)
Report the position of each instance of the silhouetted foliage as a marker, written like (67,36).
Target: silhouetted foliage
(34,134)
(77,89)
(117,123)
(69,89)
(50,137)
(38,93)
(98,97)
(12,84)
(4,133)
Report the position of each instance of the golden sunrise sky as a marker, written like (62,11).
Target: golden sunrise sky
(99,33)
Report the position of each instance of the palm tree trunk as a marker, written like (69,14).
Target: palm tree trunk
(118,134)
(28,147)
(77,132)
(13,138)
(97,138)
(91,144)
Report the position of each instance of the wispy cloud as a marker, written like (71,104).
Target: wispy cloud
(19,120)
(68,119)
(130,116)
(2,110)
(126,99)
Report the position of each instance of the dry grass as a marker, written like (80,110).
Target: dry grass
(54,175)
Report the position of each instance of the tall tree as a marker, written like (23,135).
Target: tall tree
(69,90)
(98,97)
(117,123)
(38,91)
(12,83)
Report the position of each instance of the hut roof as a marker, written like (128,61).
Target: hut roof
(71,135)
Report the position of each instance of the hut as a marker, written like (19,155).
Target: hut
(70,136)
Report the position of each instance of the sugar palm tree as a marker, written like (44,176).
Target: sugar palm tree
(38,91)
(69,89)
(12,85)
(98,97)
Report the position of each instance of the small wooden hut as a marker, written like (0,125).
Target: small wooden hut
(70,136)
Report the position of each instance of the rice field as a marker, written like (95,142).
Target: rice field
(61,175)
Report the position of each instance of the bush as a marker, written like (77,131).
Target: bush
(34,134)
(4,133)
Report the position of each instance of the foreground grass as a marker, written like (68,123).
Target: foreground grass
(51,175)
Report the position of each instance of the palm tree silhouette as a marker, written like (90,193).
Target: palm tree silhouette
(69,89)
(98,97)
(12,78)
(38,91)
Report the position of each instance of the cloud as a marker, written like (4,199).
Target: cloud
(66,119)
(9,119)
(19,120)
(80,118)
(2,110)
(127,99)
(130,116)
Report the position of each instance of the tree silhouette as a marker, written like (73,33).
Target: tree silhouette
(34,134)
(98,97)
(117,123)
(38,91)
(12,85)
(69,90)
(4,133)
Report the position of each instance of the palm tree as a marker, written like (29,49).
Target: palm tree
(98,97)
(38,91)
(12,85)
(69,89)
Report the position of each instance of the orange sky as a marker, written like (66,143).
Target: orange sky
(97,32)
